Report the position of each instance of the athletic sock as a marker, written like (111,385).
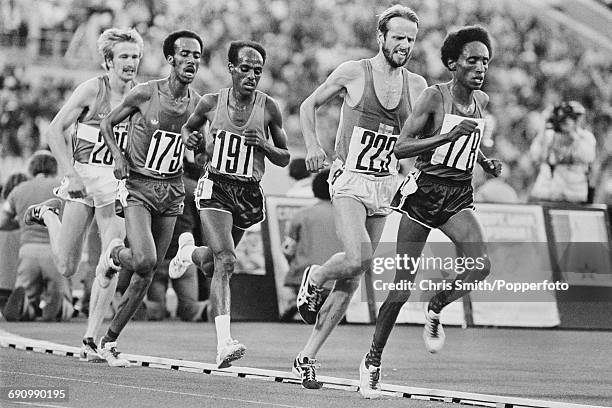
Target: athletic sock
(222,326)
(374,356)
(101,297)
(186,253)
(438,302)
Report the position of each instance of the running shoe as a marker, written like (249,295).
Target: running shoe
(309,299)
(433,332)
(89,351)
(177,267)
(232,351)
(305,368)
(33,215)
(108,351)
(369,380)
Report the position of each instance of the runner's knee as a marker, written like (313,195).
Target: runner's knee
(143,264)
(226,260)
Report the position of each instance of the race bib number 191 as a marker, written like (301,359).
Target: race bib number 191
(371,152)
(231,155)
(165,155)
(463,152)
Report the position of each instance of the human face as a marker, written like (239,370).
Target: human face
(186,58)
(247,71)
(397,44)
(126,58)
(472,65)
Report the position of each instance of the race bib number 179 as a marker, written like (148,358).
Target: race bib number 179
(371,152)
(165,155)
(463,152)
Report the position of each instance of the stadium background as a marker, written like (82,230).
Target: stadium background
(545,52)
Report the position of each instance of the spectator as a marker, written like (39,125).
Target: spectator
(303,182)
(9,243)
(40,290)
(564,151)
(310,239)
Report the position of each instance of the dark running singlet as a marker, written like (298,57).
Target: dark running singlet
(231,157)
(155,148)
(87,143)
(368,131)
(454,160)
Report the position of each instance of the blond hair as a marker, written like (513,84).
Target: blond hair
(112,36)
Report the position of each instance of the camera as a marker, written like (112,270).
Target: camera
(561,112)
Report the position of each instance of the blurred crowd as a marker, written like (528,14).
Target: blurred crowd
(536,63)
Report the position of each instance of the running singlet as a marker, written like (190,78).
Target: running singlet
(155,148)
(368,131)
(453,160)
(87,143)
(231,157)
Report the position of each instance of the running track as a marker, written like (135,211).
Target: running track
(553,365)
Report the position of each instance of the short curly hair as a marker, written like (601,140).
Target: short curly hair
(236,46)
(456,40)
(169,41)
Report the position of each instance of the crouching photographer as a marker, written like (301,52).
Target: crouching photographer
(564,152)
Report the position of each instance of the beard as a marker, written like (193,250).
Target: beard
(388,53)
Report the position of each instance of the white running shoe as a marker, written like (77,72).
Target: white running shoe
(433,332)
(369,380)
(108,351)
(232,351)
(177,267)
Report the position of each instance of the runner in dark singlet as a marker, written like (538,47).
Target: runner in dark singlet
(247,127)
(444,131)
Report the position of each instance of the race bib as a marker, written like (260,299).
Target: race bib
(100,154)
(231,155)
(165,155)
(372,152)
(463,152)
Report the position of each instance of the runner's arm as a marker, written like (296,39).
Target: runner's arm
(191,130)
(334,85)
(276,151)
(425,110)
(59,140)
(130,104)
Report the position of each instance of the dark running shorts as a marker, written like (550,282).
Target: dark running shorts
(161,197)
(242,199)
(435,201)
